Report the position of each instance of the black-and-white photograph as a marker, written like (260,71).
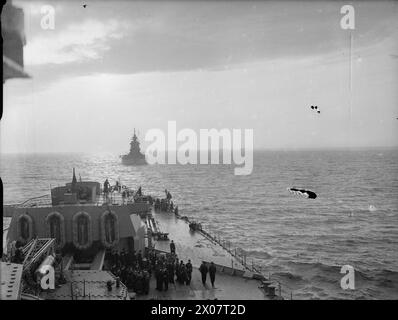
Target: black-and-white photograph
(199,150)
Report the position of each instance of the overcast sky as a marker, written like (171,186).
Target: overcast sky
(116,65)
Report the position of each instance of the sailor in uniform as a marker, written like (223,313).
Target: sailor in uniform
(172,247)
(203,270)
(212,273)
(189,272)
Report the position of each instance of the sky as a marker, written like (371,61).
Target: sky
(118,65)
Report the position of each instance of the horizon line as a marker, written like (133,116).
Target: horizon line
(347,148)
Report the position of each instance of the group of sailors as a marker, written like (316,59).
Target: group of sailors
(135,269)
(169,269)
(204,269)
(107,188)
(125,192)
(164,205)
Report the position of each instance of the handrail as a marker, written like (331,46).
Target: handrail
(30,199)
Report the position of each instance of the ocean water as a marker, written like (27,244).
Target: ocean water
(303,243)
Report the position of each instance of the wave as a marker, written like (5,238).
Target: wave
(288,276)
(372,208)
(258,254)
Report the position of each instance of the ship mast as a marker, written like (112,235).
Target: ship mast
(134,145)
(74,181)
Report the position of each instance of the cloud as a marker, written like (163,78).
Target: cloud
(78,42)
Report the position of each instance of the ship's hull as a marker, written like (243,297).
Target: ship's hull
(133,161)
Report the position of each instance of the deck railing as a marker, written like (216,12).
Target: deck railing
(238,253)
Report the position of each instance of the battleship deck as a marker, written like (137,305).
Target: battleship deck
(231,274)
(192,244)
(233,279)
(227,287)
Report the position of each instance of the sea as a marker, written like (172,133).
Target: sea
(302,243)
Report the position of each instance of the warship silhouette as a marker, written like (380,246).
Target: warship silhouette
(134,157)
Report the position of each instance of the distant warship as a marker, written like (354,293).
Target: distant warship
(134,157)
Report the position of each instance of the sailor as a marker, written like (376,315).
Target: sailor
(203,270)
(189,272)
(159,278)
(178,271)
(181,273)
(184,274)
(124,196)
(170,270)
(212,273)
(165,277)
(146,277)
(172,247)
(139,191)
(106,186)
